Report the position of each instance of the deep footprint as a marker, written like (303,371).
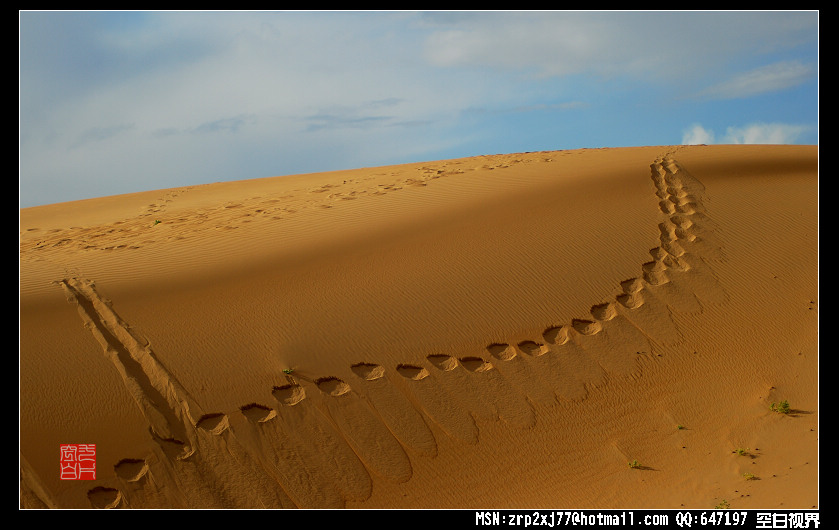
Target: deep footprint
(438,404)
(399,414)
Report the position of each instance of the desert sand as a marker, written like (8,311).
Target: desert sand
(594,328)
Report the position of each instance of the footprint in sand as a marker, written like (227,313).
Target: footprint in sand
(616,347)
(369,371)
(631,300)
(398,413)
(700,278)
(663,261)
(655,273)
(572,349)
(432,398)
(332,386)
(518,372)
(131,470)
(512,406)
(283,442)
(219,472)
(668,231)
(683,229)
(604,312)
(446,363)
(648,312)
(258,413)
(673,248)
(502,352)
(675,294)
(697,240)
(141,487)
(369,437)
(556,335)
(102,497)
(456,381)
(533,349)
(586,327)
(667,207)
(213,423)
(416,373)
(557,365)
(245,482)
(289,395)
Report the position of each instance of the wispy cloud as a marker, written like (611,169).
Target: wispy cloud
(568,105)
(769,78)
(333,121)
(164,132)
(547,44)
(217,96)
(98,134)
(661,45)
(364,115)
(223,125)
(532,107)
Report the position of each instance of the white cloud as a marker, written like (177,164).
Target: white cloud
(755,133)
(764,133)
(697,135)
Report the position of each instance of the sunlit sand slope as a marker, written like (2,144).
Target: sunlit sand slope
(498,331)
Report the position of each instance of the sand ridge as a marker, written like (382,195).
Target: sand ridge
(388,419)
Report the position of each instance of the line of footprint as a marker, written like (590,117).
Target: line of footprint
(123,234)
(374,427)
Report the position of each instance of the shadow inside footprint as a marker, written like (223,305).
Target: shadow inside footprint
(131,469)
(332,386)
(256,413)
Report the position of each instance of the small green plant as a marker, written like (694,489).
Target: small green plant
(723,505)
(680,427)
(782,407)
(288,370)
(156,222)
(634,464)
(741,451)
(749,476)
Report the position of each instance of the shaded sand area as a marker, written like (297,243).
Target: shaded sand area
(504,331)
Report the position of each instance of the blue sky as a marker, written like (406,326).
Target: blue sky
(119,102)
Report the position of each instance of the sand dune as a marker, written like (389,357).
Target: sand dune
(504,331)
